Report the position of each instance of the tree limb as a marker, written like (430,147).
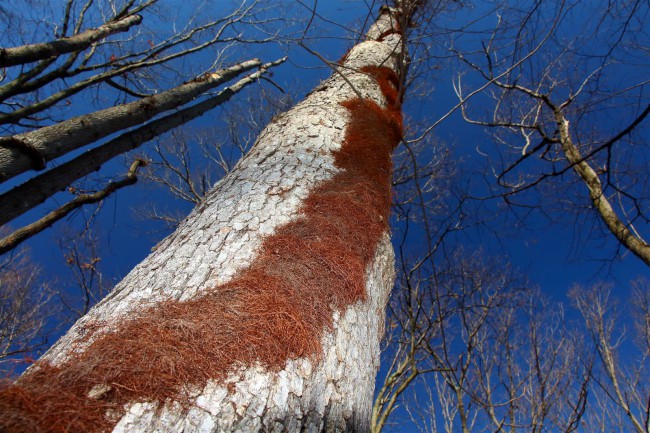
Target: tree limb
(31,53)
(623,234)
(13,240)
(30,194)
(56,140)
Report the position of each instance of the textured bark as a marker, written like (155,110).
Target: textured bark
(332,395)
(22,152)
(330,391)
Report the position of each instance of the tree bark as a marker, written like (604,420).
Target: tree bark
(274,207)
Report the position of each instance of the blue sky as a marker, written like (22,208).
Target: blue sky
(554,255)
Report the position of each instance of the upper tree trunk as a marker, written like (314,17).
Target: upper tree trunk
(264,310)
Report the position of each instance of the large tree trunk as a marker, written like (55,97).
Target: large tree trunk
(264,310)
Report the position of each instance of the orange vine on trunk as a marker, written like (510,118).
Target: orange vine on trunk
(275,310)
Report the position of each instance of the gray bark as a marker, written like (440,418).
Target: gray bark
(221,237)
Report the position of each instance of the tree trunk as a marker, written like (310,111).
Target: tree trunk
(264,310)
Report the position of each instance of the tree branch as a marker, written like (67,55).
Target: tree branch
(623,234)
(31,53)
(56,140)
(22,198)
(16,238)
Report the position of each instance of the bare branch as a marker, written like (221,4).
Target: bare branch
(80,41)
(53,141)
(620,230)
(17,237)
(20,199)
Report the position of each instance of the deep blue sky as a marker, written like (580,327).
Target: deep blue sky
(553,255)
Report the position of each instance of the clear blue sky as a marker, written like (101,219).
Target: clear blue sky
(554,255)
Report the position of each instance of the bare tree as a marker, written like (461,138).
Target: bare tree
(486,354)
(560,107)
(88,55)
(522,368)
(81,253)
(264,309)
(24,312)
(622,389)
